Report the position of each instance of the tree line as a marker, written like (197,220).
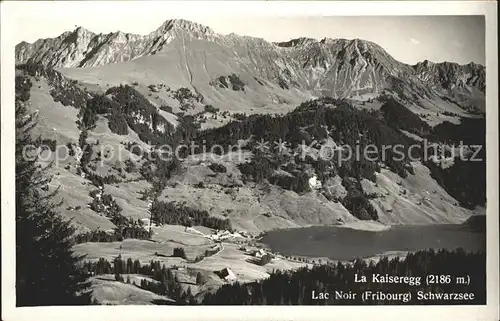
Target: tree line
(312,122)
(62,90)
(176,214)
(398,116)
(465,180)
(164,280)
(48,272)
(127,232)
(316,119)
(129,105)
(295,287)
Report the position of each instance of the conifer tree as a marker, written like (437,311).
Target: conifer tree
(47,270)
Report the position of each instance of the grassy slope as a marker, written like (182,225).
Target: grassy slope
(252,208)
(425,201)
(73,190)
(108,291)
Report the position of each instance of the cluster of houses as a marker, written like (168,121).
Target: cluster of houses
(224,235)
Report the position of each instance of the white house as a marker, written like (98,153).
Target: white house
(227,274)
(314,183)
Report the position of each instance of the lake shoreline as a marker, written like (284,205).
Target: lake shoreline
(344,243)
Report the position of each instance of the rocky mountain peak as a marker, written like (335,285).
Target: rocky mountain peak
(181,25)
(79,37)
(296,42)
(336,67)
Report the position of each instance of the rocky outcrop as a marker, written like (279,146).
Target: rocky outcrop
(83,48)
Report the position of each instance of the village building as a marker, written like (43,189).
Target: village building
(227,274)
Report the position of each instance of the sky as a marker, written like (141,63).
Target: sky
(408,39)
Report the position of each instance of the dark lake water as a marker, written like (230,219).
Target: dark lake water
(346,244)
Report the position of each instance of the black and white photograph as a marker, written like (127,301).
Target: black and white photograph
(166,153)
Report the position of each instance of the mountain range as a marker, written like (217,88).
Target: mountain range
(192,55)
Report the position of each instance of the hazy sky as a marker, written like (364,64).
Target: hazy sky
(407,38)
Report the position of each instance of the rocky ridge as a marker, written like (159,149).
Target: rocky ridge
(335,67)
